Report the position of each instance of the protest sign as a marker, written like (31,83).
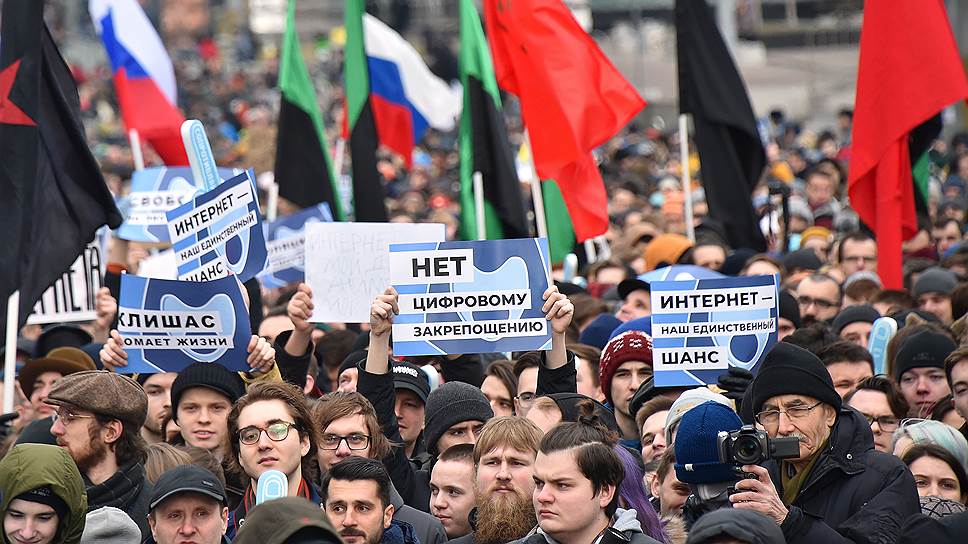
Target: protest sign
(219,232)
(72,296)
(347,265)
(701,327)
(470,297)
(167,325)
(285,243)
(160,266)
(154,192)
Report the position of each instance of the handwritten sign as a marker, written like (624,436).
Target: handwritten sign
(701,327)
(470,297)
(347,264)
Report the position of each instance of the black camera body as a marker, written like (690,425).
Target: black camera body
(751,446)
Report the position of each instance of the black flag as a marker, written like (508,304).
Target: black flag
(54,197)
(730,150)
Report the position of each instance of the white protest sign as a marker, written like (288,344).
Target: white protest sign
(161,266)
(71,297)
(347,264)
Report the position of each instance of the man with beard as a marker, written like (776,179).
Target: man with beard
(819,297)
(356,498)
(158,388)
(97,420)
(504,458)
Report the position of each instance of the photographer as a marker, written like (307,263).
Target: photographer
(839,489)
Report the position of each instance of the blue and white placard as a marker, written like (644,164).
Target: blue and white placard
(286,242)
(470,297)
(219,232)
(167,325)
(701,327)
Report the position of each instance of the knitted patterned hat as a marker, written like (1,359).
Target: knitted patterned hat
(628,346)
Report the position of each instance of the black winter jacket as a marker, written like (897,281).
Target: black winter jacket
(853,494)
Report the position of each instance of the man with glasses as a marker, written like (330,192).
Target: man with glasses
(819,298)
(839,489)
(98,419)
(858,251)
(271,428)
(881,402)
(349,428)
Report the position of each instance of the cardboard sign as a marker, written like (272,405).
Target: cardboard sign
(72,296)
(470,297)
(347,265)
(154,192)
(285,243)
(701,327)
(219,232)
(168,325)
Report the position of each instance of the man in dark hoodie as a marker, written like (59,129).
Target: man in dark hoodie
(839,489)
(356,495)
(98,421)
(735,526)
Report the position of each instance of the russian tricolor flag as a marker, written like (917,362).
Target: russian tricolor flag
(405,95)
(144,79)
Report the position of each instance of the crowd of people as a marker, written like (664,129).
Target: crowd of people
(575,445)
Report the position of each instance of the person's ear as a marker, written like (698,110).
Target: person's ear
(111,432)
(304,445)
(654,484)
(387,516)
(310,384)
(830,415)
(606,495)
(225,519)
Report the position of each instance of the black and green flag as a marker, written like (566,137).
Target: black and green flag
(484,144)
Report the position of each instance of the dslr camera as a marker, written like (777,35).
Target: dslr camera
(751,446)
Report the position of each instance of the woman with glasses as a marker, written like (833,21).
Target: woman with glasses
(937,473)
(916,432)
(881,402)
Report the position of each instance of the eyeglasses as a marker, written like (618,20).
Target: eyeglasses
(886,423)
(277,432)
(355,441)
(526,398)
(67,417)
(770,418)
(818,302)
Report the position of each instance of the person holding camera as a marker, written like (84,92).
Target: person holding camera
(838,489)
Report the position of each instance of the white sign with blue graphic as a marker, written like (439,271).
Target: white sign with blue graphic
(470,297)
(701,327)
(285,243)
(154,192)
(167,325)
(219,233)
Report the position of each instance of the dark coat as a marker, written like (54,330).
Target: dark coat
(127,490)
(853,493)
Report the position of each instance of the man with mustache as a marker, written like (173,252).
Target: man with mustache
(504,459)
(356,495)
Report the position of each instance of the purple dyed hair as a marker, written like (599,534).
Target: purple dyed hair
(633,495)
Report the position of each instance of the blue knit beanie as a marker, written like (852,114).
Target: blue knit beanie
(697,460)
(599,330)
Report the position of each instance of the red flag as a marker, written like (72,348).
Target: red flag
(572,98)
(909,70)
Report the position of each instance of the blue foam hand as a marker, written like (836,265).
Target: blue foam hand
(272,485)
(220,303)
(882,331)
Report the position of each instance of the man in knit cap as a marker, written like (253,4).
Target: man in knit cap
(455,412)
(98,419)
(919,369)
(839,489)
(626,363)
(932,291)
(854,323)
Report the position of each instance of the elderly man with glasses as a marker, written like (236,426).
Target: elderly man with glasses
(839,489)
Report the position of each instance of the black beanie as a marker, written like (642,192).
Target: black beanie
(210,375)
(792,370)
(351,361)
(46,496)
(854,314)
(450,404)
(568,404)
(789,308)
(923,349)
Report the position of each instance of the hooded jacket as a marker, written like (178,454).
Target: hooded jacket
(853,494)
(29,466)
(275,522)
(625,521)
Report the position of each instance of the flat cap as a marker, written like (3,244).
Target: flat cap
(102,392)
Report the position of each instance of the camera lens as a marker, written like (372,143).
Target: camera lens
(746,450)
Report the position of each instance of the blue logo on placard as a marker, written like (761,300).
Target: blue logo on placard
(220,303)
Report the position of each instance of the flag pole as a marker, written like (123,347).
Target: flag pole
(591,251)
(136,154)
(10,355)
(338,153)
(686,175)
(479,205)
(272,202)
(539,211)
